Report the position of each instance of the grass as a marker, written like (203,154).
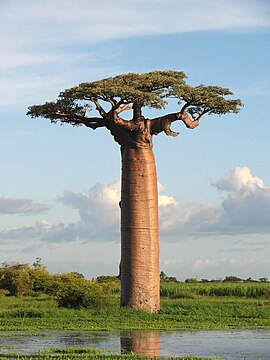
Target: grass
(183,306)
(82,354)
(253,290)
(178,312)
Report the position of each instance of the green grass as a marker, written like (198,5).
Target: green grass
(253,290)
(183,306)
(82,354)
(199,312)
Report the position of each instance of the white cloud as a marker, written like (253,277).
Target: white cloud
(237,179)
(247,206)
(245,210)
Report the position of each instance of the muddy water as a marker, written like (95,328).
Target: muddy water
(229,345)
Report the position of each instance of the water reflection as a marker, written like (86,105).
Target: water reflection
(141,342)
(232,344)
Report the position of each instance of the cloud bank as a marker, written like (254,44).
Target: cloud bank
(244,210)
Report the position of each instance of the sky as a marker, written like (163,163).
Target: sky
(60,185)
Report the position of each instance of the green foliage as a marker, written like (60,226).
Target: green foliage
(76,293)
(27,313)
(15,278)
(207,99)
(40,278)
(21,279)
(107,279)
(148,89)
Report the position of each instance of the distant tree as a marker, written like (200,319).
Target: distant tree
(232,279)
(191,280)
(111,97)
(162,275)
(263,279)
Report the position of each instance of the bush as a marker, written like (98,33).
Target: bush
(41,280)
(15,278)
(77,293)
(23,279)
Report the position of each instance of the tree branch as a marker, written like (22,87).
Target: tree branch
(163,123)
(123,108)
(99,108)
(190,123)
(76,119)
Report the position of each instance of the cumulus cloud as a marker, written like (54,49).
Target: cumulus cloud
(21,206)
(247,206)
(245,210)
(237,179)
(98,208)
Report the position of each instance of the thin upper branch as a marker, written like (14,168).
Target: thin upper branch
(76,119)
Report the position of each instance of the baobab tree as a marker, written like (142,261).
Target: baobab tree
(108,99)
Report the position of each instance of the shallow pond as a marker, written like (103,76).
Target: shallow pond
(234,344)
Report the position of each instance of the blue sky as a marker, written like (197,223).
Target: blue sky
(60,185)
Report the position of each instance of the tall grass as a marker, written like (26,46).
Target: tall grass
(253,290)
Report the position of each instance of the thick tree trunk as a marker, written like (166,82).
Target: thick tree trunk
(140,283)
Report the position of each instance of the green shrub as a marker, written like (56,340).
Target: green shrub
(15,278)
(77,293)
(27,313)
(41,280)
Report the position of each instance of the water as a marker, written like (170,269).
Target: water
(229,345)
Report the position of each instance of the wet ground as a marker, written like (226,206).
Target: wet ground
(229,345)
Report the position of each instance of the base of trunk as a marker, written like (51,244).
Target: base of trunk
(140,282)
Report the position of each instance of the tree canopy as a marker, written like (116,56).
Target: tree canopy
(132,91)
